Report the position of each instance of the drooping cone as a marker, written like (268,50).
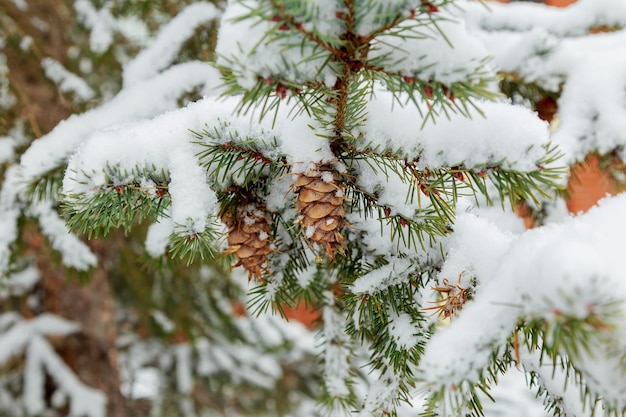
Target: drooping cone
(249,234)
(320,201)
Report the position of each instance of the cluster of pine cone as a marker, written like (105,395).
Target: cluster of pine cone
(320,196)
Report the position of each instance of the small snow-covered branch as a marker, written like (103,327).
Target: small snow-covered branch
(101,22)
(574,20)
(14,340)
(67,81)
(146,99)
(447,53)
(84,401)
(382,395)
(9,214)
(163,50)
(549,274)
(337,374)
(76,254)
(184,374)
(20,282)
(474,141)
(7,145)
(554,49)
(379,279)
(552,381)
(244,47)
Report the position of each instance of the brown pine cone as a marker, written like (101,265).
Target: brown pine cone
(320,198)
(249,240)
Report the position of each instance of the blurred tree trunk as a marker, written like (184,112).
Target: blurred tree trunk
(91,353)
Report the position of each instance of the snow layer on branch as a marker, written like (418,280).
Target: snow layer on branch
(381,395)
(592,110)
(394,192)
(402,330)
(150,97)
(84,401)
(530,40)
(192,199)
(165,143)
(76,254)
(14,340)
(153,96)
(569,21)
(161,144)
(158,236)
(571,269)
(504,134)
(513,398)
(447,54)
(245,47)
(164,49)
(379,279)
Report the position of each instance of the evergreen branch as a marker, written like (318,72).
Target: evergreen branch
(567,340)
(389,19)
(369,321)
(48,187)
(463,399)
(566,335)
(267,94)
(552,403)
(421,183)
(183,244)
(312,102)
(455,97)
(337,359)
(287,18)
(282,287)
(413,233)
(386,26)
(229,158)
(369,313)
(526,186)
(118,204)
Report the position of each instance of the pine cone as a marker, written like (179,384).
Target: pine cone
(249,234)
(320,201)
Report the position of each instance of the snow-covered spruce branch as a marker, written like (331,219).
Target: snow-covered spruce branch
(555,51)
(150,90)
(557,310)
(339,169)
(350,157)
(27,337)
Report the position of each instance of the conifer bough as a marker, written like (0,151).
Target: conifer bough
(350,132)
